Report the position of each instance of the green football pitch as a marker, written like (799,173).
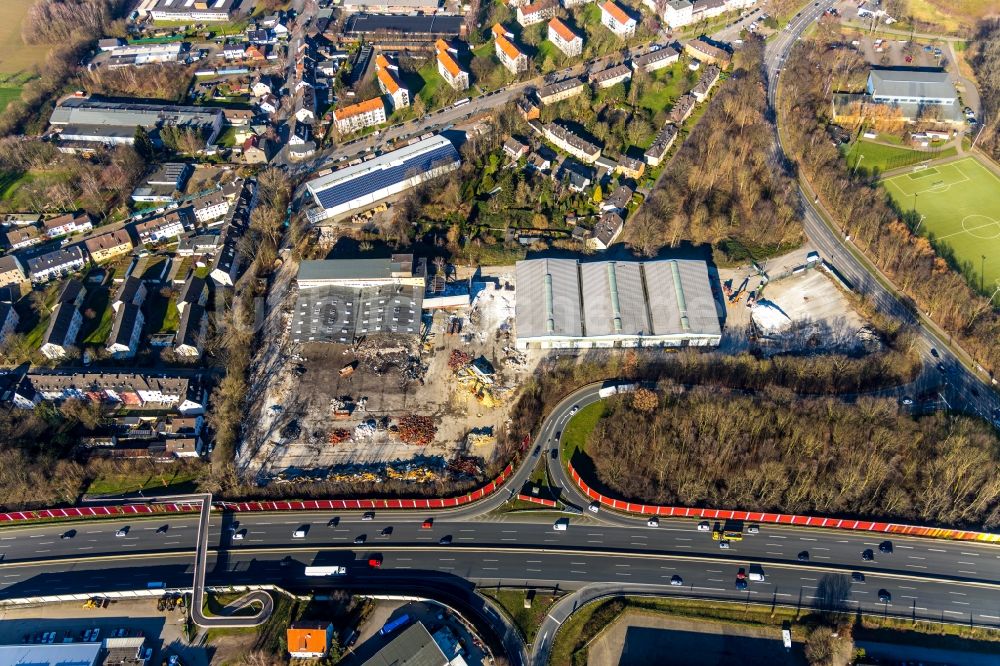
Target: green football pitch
(960,202)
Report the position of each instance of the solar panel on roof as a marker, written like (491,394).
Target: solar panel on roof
(365,184)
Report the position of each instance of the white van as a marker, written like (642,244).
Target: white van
(560,525)
(756,573)
(299,534)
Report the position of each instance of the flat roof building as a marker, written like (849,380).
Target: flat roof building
(340,300)
(105,121)
(402,28)
(56,654)
(192,10)
(414,646)
(365,184)
(566,304)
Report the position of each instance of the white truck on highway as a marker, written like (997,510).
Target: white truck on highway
(326,571)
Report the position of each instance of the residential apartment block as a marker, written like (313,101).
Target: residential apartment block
(70,223)
(678,13)
(57,263)
(610,76)
(129,389)
(567,41)
(386,73)
(615,19)
(536,12)
(508,54)
(571,143)
(560,90)
(126,331)
(663,56)
(359,116)
(108,246)
(11,270)
(449,68)
(160,229)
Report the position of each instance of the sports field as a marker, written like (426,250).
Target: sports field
(961,204)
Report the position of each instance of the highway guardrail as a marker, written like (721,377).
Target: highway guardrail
(779,518)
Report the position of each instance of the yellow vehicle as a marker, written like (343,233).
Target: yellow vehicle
(728,535)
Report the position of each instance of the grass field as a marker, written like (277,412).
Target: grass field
(15,55)
(961,205)
(879,156)
(575,435)
(950,15)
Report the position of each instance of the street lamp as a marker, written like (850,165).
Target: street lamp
(919,223)
(856,164)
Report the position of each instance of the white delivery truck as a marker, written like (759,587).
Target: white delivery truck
(326,571)
(756,573)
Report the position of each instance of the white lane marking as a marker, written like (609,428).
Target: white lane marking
(937,550)
(916,557)
(771,552)
(907,596)
(35,536)
(489,560)
(410,559)
(45,550)
(968,572)
(960,594)
(970,554)
(683,539)
(714,589)
(593,541)
(820,557)
(576,571)
(713,570)
(908,547)
(990,617)
(807,539)
(804,578)
(12,575)
(623,565)
(682,546)
(842,541)
(820,548)
(508,539)
(904,587)
(961,562)
(85,548)
(446,559)
(533,561)
(915,566)
(772,544)
(776,536)
(7,538)
(620,573)
(963,603)
(535,570)
(490,569)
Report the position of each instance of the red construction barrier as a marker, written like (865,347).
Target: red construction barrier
(780,518)
(536,500)
(303,505)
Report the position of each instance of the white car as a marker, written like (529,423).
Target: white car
(238,536)
(704,526)
(595,507)
(575,409)
(653,522)
(724,544)
(676,580)
(122,532)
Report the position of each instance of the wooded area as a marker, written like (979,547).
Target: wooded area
(985,61)
(863,210)
(777,452)
(723,185)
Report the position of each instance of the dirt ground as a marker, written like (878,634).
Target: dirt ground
(297,388)
(164,632)
(637,639)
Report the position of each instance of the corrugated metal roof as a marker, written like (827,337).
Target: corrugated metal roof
(912,84)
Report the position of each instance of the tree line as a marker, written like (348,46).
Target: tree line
(864,211)
(722,183)
(985,61)
(778,452)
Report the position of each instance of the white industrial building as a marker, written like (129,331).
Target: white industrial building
(145,54)
(192,10)
(566,304)
(364,184)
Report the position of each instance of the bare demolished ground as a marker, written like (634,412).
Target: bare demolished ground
(418,409)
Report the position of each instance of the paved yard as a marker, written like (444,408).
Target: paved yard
(636,639)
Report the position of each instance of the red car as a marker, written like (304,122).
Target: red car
(427,524)
(375,562)
(741,574)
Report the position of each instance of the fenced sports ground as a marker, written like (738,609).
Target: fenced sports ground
(960,205)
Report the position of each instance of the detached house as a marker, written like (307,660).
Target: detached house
(606,231)
(70,223)
(269,104)
(614,18)
(567,41)
(108,246)
(308,640)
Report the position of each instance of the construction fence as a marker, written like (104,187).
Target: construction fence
(780,518)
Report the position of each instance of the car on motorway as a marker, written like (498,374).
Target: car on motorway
(858,577)
(555,453)
(934,353)
(724,544)
(940,367)
(239,536)
(868,555)
(884,596)
(162,529)
(594,507)
(804,556)
(560,525)
(69,534)
(301,532)
(575,409)
(741,574)
(704,526)
(361,538)
(427,524)
(386,531)
(333,522)
(375,561)
(445,540)
(676,580)
(885,547)
(753,529)
(538,449)
(368,515)
(741,584)
(122,532)
(653,522)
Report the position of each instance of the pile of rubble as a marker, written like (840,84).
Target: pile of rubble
(416,430)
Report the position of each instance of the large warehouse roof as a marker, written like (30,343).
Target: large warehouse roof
(338,313)
(81,111)
(563,298)
(911,83)
(389,169)
(407,26)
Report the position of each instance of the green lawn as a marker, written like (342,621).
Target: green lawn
(8,95)
(228,138)
(664,87)
(527,619)
(574,437)
(163,481)
(961,204)
(879,156)
(97,316)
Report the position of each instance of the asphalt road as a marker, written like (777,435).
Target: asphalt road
(964,390)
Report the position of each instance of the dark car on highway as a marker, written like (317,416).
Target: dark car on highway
(885,547)
(868,555)
(804,556)
(884,596)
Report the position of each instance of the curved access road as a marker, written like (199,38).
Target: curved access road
(964,387)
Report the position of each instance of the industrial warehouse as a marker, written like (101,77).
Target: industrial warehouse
(364,184)
(566,304)
(341,300)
